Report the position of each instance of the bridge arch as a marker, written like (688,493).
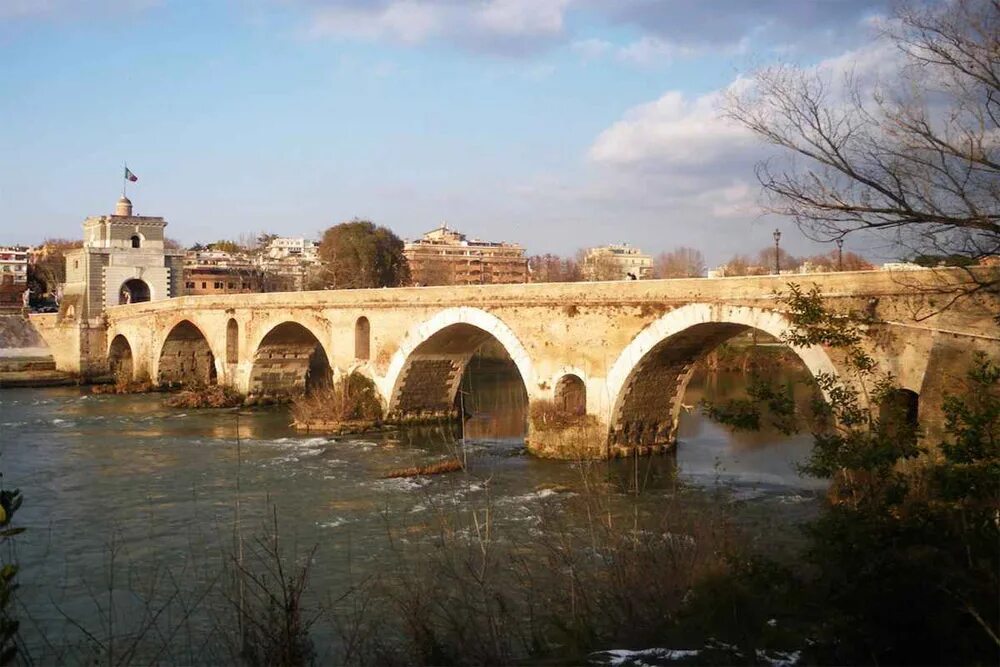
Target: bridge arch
(134,290)
(121,362)
(425,372)
(648,379)
(186,357)
(289,358)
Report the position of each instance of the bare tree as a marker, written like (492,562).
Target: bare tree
(599,266)
(916,160)
(680,262)
(554,269)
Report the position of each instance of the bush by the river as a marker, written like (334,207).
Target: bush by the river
(205,396)
(349,404)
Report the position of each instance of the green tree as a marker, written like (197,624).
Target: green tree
(903,563)
(360,254)
(224,245)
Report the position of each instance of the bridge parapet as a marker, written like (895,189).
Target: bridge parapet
(631,344)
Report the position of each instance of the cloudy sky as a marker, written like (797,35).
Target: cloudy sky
(553,123)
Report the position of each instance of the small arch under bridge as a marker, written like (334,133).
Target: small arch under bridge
(622,352)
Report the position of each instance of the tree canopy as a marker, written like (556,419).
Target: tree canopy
(360,254)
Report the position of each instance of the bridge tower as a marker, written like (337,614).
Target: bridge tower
(123,260)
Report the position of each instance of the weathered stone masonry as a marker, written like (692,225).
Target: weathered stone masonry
(632,344)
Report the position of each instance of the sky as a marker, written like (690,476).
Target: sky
(556,124)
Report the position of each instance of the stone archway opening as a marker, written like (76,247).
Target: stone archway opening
(133,291)
(289,360)
(464,371)
(571,395)
(232,341)
(120,363)
(186,358)
(899,412)
(718,360)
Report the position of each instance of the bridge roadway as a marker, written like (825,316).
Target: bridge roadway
(624,350)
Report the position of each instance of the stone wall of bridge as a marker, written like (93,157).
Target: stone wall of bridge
(632,344)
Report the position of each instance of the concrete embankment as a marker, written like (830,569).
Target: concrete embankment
(25,360)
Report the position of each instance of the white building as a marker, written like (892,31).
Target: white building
(618,261)
(300,248)
(122,260)
(14,265)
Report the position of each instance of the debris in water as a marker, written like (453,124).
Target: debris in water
(438,468)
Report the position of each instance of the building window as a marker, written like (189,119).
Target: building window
(189,285)
(76,264)
(231,285)
(218,285)
(136,241)
(204,285)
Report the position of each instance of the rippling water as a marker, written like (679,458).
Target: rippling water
(121,485)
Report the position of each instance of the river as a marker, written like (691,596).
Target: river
(127,499)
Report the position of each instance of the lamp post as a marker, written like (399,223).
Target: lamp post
(777,255)
(840,254)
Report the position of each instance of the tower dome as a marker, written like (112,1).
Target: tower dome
(123,207)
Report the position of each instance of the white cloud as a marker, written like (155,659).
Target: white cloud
(64,9)
(592,48)
(674,131)
(485,24)
(522,17)
(408,21)
(653,50)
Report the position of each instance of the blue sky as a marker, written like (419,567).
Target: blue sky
(553,123)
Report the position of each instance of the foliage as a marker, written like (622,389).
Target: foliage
(205,396)
(904,558)
(10,502)
(227,246)
(49,268)
(359,254)
(552,415)
(272,612)
(350,398)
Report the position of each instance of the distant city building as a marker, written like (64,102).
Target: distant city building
(444,256)
(13,276)
(123,260)
(288,262)
(902,266)
(299,248)
(616,262)
(218,272)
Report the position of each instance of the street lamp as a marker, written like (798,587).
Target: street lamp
(777,255)
(840,254)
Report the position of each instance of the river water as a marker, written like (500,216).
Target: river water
(125,498)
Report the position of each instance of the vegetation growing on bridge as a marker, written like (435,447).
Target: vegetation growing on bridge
(350,404)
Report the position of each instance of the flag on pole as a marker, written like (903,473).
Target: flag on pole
(129,176)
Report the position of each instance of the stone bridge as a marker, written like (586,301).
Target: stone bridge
(622,350)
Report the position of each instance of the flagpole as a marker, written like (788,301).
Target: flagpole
(124,177)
